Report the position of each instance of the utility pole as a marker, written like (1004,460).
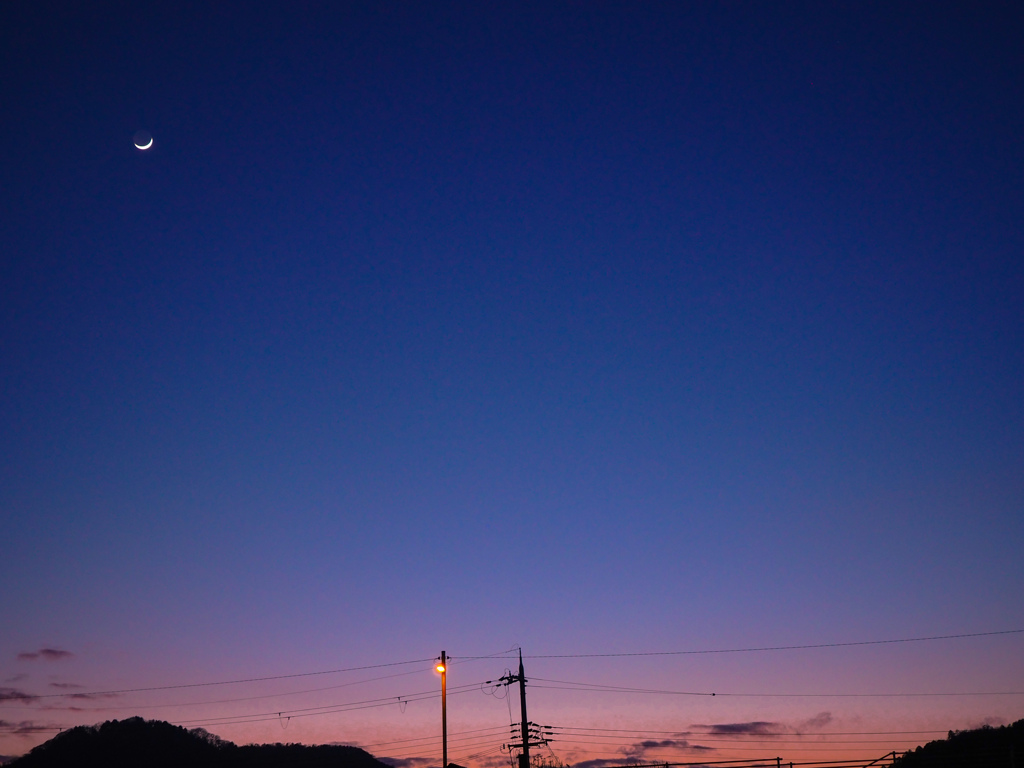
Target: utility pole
(524,758)
(528,729)
(442,667)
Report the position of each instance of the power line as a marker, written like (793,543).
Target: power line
(502,654)
(494,729)
(466,742)
(680,739)
(325,709)
(236,682)
(761,733)
(774,647)
(231,701)
(571,739)
(727,750)
(569,685)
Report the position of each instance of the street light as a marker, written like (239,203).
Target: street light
(442,667)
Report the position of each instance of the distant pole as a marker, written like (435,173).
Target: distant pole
(443,669)
(524,759)
(541,732)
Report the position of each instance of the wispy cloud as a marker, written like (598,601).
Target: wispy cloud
(45,654)
(66,686)
(817,722)
(755,728)
(639,750)
(64,703)
(631,760)
(13,694)
(605,762)
(408,762)
(24,727)
(662,744)
(765,728)
(492,761)
(91,696)
(646,750)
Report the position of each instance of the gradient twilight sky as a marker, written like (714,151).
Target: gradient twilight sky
(585,327)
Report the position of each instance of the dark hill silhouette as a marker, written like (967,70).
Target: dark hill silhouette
(135,742)
(985,747)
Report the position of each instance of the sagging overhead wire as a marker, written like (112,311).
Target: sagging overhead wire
(657,734)
(504,654)
(668,739)
(237,682)
(325,709)
(757,649)
(480,741)
(246,698)
(570,685)
(496,729)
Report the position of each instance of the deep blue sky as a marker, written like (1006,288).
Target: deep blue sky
(580,326)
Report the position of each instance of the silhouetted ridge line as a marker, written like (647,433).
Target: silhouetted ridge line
(985,747)
(155,744)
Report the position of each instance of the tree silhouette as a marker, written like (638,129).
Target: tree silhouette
(985,747)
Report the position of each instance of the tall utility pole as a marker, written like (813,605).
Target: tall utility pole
(442,667)
(524,758)
(538,732)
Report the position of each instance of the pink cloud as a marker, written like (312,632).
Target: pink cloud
(46,654)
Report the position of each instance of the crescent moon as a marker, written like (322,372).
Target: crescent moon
(145,146)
